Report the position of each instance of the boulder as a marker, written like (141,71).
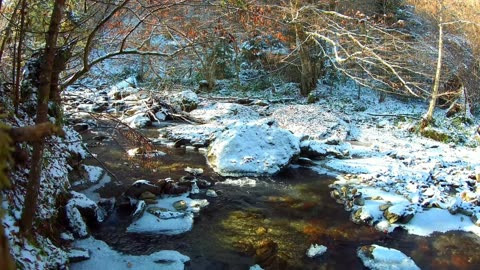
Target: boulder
(187,100)
(378,258)
(252,149)
(80,207)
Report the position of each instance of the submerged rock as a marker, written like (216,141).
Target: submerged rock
(255,148)
(180,205)
(379,258)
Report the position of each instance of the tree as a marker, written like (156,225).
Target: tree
(428,117)
(6,261)
(45,84)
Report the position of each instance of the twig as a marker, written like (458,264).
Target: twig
(396,115)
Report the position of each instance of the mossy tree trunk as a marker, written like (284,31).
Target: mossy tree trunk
(45,85)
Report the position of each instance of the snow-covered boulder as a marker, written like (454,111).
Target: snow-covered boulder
(187,100)
(252,149)
(139,120)
(377,257)
(80,206)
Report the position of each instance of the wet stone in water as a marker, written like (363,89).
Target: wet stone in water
(180,205)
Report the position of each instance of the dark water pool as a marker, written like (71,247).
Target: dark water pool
(272,223)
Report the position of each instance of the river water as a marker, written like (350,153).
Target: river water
(272,223)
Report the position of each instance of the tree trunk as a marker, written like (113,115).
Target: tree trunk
(6,261)
(308,78)
(18,60)
(45,77)
(428,117)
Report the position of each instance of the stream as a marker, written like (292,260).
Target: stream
(272,222)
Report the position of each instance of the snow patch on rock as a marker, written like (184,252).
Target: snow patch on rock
(252,149)
(103,257)
(379,258)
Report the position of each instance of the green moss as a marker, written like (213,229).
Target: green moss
(436,135)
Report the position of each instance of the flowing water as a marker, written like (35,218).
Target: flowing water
(272,223)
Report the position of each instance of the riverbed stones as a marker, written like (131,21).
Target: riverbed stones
(376,257)
(252,149)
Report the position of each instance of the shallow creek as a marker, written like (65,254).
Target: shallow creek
(278,218)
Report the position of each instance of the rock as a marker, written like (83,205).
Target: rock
(80,127)
(198,135)
(80,207)
(211,193)
(305,161)
(255,148)
(187,100)
(194,171)
(151,201)
(400,212)
(475,217)
(382,124)
(139,210)
(194,189)
(141,186)
(379,258)
(318,150)
(147,195)
(180,205)
(78,255)
(139,120)
(316,250)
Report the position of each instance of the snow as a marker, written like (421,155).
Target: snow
(385,258)
(103,257)
(173,223)
(92,193)
(254,148)
(439,220)
(316,250)
(241,182)
(94,173)
(255,267)
(225,113)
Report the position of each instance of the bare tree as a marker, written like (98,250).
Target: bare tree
(428,117)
